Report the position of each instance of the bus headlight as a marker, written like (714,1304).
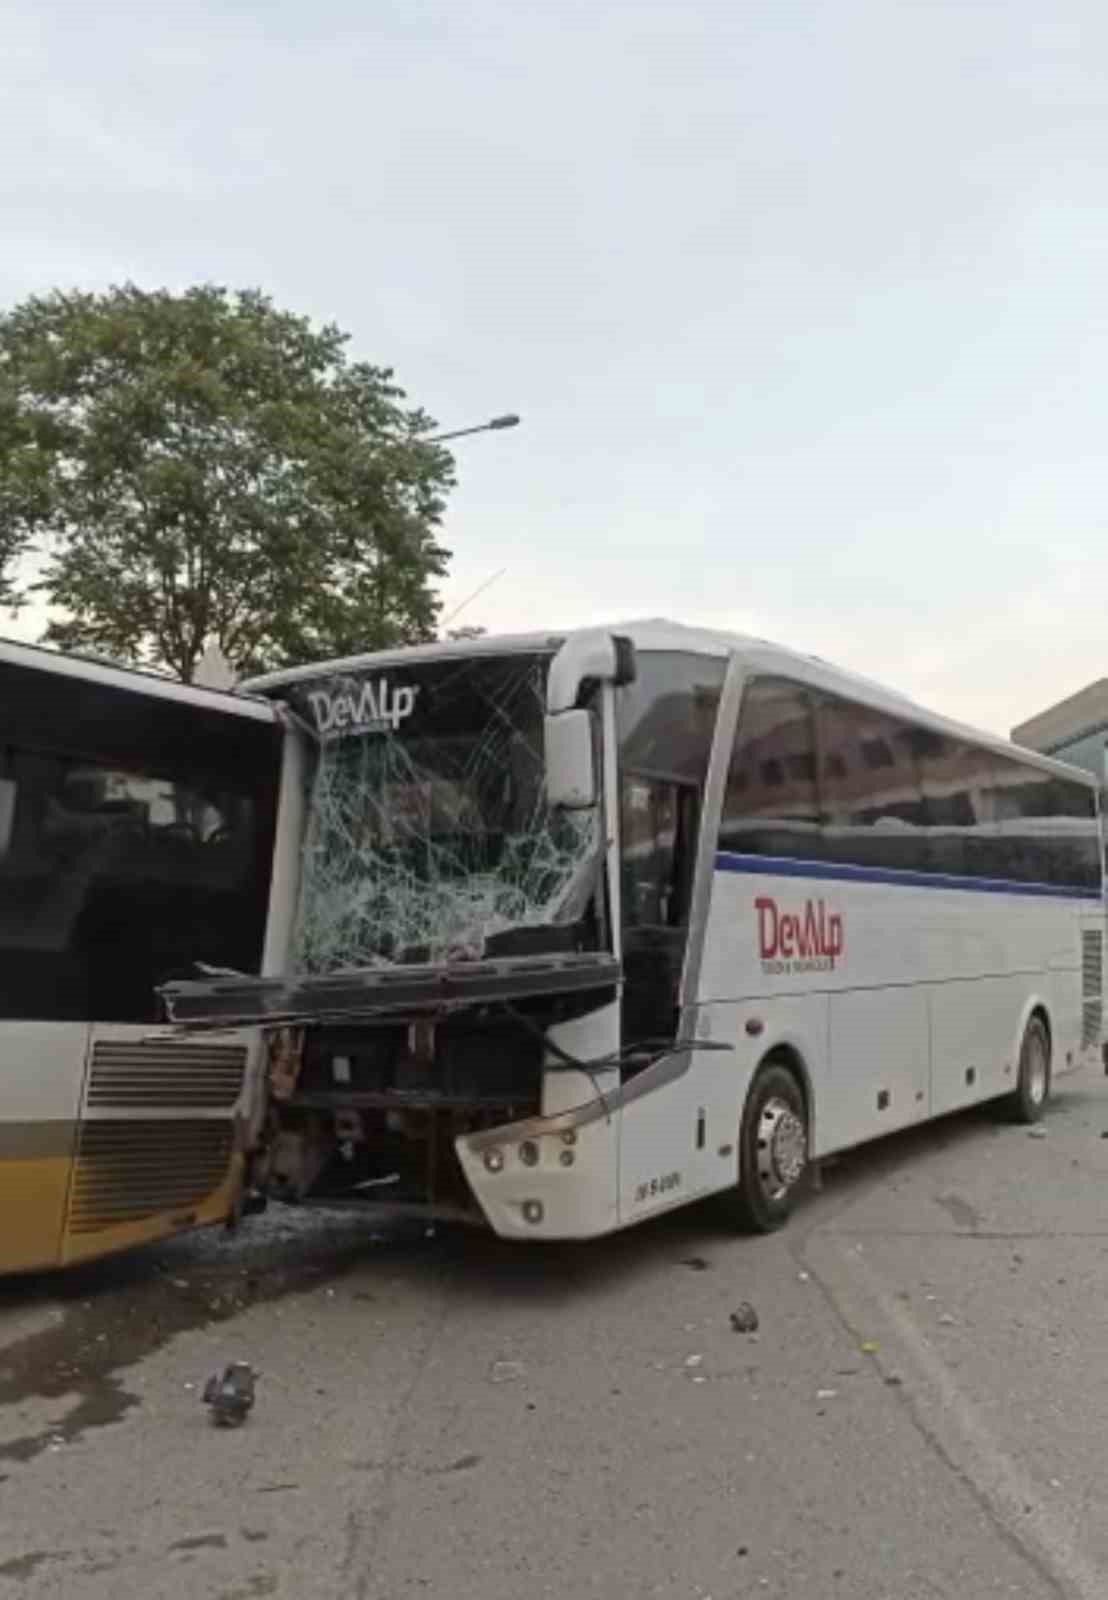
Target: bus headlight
(532,1211)
(494,1160)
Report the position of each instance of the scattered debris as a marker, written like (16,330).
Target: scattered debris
(693,1361)
(947,1321)
(869,1347)
(826,1394)
(893,1382)
(1036,1133)
(697,1263)
(802,1277)
(745,1318)
(506,1371)
(231,1396)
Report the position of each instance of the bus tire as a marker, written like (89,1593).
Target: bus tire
(773,1150)
(1032,1090)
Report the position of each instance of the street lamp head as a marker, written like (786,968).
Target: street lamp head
(509,420)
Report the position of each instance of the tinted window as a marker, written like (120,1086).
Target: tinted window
(818,777)
(667,717)
(666,721)
(956,781)
(1037,828)
(771,805)
(871,794)
(118,872)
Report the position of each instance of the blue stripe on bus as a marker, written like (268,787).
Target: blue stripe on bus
(788,867)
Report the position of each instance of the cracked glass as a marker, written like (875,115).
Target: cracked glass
(429,837)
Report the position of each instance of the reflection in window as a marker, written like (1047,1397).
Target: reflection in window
(113,880)
(649,840)
(900,797)
(877,754)
(770,806)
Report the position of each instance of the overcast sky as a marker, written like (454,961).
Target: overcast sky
(803,304)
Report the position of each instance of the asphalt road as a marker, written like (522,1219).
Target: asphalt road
(919,1413)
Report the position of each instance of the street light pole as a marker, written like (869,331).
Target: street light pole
(510,420)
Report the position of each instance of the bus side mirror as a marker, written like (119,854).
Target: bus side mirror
(570,761)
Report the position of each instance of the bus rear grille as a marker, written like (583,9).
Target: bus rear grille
(134,1073)
(1092,985)
(127,1171)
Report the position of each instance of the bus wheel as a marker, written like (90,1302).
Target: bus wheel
(773,1150)
(1033,1086)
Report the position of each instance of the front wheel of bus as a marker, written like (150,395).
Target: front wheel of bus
(1033,1086)
(773,1150)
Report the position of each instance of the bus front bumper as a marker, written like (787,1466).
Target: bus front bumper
(546,1178)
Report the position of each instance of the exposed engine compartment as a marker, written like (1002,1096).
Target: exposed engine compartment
(370,1111)
(373,1074)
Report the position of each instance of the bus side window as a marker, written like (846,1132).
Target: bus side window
(871,790)
(771,805)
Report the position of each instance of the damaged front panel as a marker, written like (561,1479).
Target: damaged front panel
(448,919)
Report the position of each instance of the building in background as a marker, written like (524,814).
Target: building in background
(1074,730)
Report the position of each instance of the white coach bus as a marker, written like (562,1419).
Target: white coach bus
(136,841)
(575,929)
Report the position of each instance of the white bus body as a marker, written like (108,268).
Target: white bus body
(577,929)
(136,832)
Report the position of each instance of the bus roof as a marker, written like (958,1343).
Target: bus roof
(38,658)
(658,633)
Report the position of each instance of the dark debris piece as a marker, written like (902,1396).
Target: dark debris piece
(232,1395)
(745,1319)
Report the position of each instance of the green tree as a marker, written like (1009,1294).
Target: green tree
(203,466)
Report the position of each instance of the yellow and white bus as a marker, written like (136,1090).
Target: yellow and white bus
(136,837)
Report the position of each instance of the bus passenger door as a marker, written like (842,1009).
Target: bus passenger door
(666,722)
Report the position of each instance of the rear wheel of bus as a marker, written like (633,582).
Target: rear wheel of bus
(773,1149)
(1033,1086)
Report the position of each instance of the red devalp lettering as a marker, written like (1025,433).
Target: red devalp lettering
(813,932)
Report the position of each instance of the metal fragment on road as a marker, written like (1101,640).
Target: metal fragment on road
(506,1371)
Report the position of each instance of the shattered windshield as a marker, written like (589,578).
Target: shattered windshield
(429,836)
